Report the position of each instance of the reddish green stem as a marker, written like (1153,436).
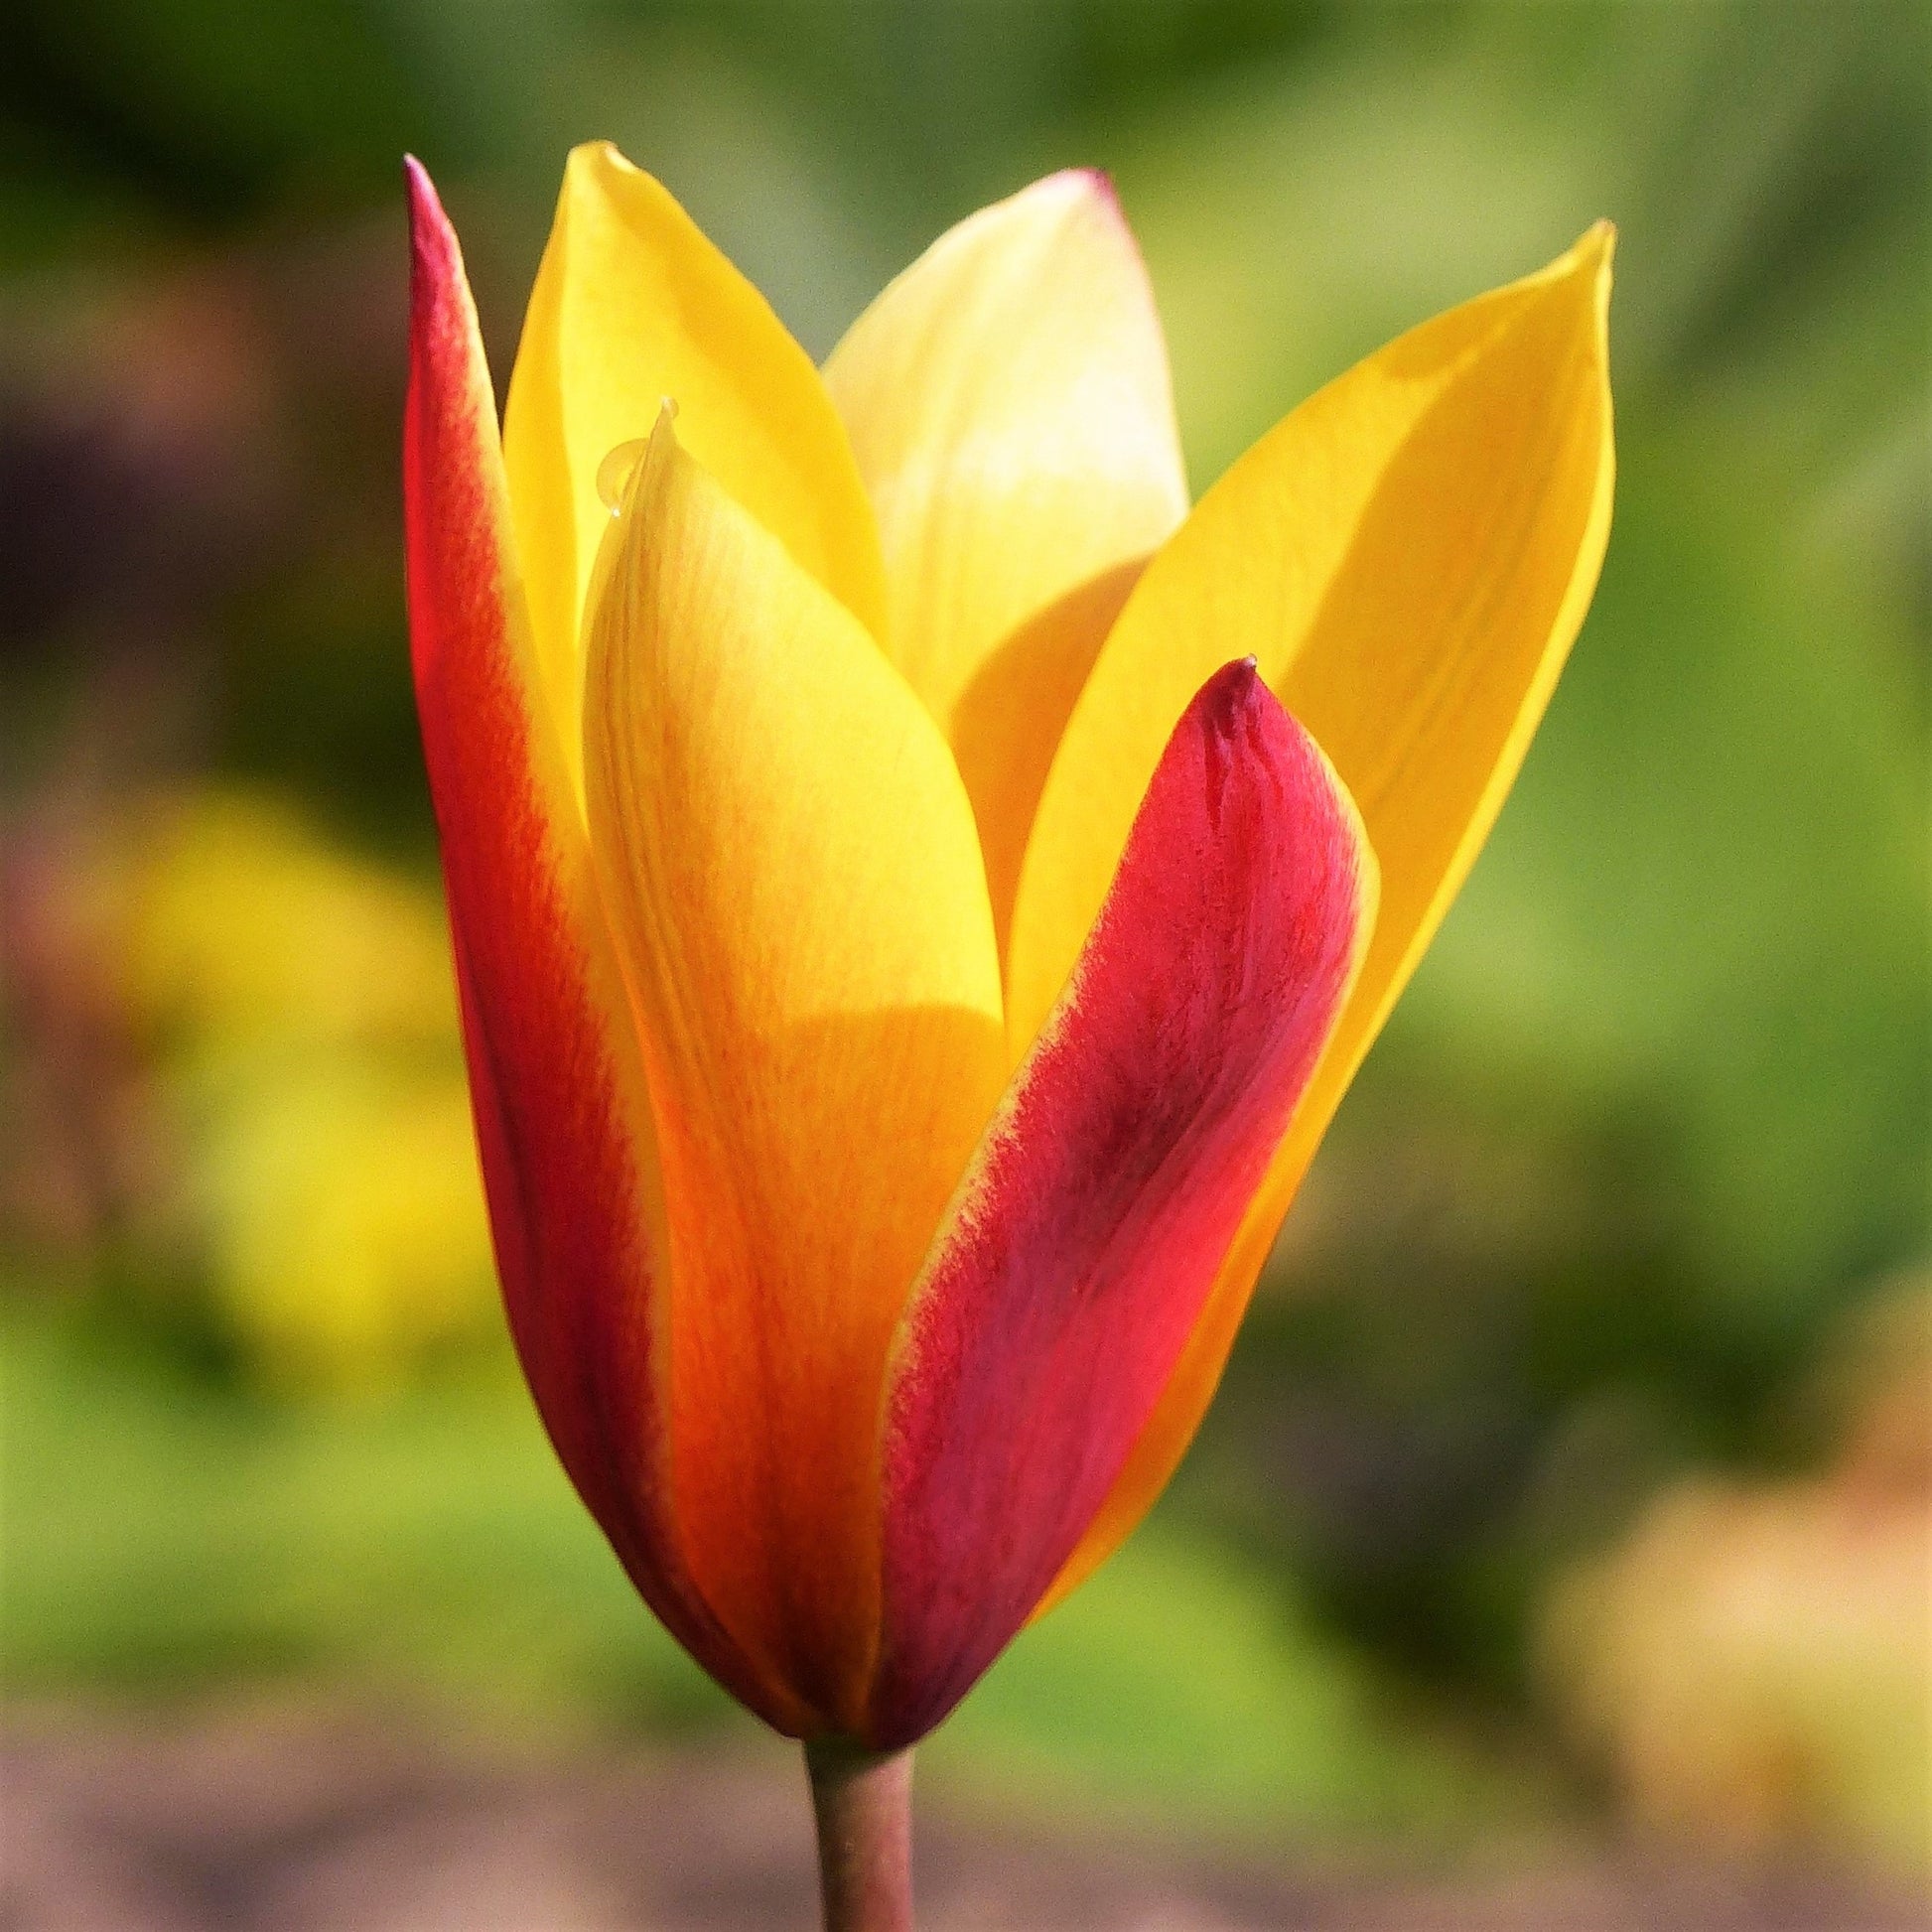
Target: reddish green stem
(863,1802)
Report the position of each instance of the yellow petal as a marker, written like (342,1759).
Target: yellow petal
(1408,557)
(790,861)
(1009,407)
(631,305)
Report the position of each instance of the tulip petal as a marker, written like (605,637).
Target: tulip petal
(1088,1229)
(631,305)
(1009,407)
(563,1117)
(790,861)
(1409,555)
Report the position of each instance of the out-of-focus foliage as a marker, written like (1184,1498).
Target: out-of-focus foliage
(1755,1659)
(1652,1118)
(314,1190)
(431,1547)
(235,925)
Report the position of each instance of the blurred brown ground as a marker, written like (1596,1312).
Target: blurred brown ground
(306,1823)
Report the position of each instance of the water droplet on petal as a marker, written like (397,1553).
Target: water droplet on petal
(614,473)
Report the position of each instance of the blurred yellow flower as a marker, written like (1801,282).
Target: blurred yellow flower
(241,920)
(296,1000)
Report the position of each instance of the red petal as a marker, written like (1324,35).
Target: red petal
(562,1108)
(1088,1229)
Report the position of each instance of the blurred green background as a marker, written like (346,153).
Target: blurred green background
(1574,1463)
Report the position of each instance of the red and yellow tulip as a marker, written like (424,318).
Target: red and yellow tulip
(914,881)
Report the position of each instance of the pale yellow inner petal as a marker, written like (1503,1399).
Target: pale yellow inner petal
(1009,408)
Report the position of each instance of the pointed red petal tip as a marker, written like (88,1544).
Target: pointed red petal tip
(1229,700)
(442,314)
(422,191)
(429,227)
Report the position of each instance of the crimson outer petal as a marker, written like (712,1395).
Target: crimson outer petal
(1088,1229)
(561,1113)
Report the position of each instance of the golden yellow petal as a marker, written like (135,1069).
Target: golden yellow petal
(792,872)
(1409,556)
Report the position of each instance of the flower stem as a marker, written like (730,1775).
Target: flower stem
(863,1802)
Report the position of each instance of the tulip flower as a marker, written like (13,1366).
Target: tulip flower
(919,891)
